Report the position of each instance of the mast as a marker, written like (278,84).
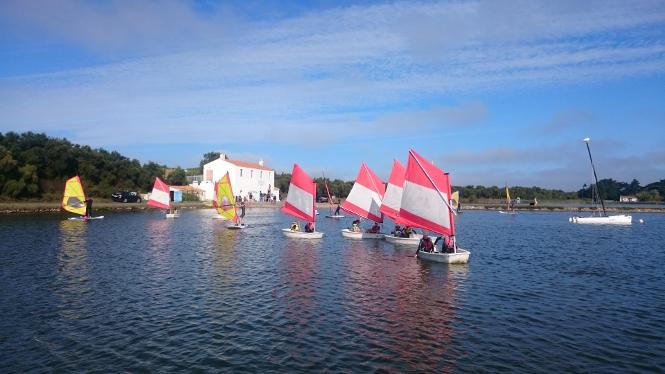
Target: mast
(595,177)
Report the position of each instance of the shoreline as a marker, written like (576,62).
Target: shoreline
(31,207)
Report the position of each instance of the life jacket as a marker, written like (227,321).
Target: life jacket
(426,245)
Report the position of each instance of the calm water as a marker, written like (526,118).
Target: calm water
(135,292)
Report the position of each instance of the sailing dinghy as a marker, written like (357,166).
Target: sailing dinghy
(224,203)
(601,217)
(160,197)
(510,207)
(390,205)
(364,201)
(73,200)
(426,204)
(300,204)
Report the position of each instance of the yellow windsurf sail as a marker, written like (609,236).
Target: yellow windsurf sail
(74,198)
(454,200)
(225,200)
(507,195)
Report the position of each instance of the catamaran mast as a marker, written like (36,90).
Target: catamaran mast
(595,177)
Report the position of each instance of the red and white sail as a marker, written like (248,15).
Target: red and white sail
(365,197)
(392,199)
(300,199)
(426,197)
(160,196)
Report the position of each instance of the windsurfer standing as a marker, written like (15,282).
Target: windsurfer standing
(88,207)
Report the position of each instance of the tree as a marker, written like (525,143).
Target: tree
(208,157)
(177,177)
(649,195)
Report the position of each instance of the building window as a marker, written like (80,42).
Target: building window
(241,172)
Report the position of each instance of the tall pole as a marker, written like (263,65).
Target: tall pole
(586,141)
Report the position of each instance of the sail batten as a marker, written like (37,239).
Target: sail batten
(365,197)
(300,198)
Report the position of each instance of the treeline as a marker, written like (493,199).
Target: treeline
(610,189)
(36,166)
(337,187)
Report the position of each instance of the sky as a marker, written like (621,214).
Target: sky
(494,92)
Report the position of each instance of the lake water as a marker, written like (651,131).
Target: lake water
(137,293)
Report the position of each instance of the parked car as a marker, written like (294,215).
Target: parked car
(322,199)
(126,197)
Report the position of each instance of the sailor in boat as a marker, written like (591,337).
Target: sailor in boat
(88,207)
(337,210)
(375,229)
(355,226)
(406,233)
(425,244)
(397,231)
(309,227)
(294,226)
(446,244)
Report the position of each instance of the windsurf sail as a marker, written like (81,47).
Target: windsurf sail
(225,200)
(454,200)
(160,196)
(300,198)
(74,198)
(365,197)
(393,195)
(426,197)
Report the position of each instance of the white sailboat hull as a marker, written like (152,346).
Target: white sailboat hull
(621,219)
(335,216)
(361,235)
(460,257)
(301,234)
(507,212)
(414,240)
(173,215)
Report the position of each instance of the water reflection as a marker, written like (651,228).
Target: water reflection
(405,308)
(159,238)
(225,242)
(73,270)
(299,267)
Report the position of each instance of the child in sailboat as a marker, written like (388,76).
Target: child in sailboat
(425,244)
(355,226)
(294,226)
(309,227)
(374,229)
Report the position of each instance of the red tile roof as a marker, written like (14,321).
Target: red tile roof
(251,165)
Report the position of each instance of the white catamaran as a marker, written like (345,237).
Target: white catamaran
(364,201)
(600,217)
(300,204)
(426,204)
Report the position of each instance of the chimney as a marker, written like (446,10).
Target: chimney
(223,156)
(261,162)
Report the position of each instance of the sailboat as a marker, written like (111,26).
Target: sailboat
(225,203)
(426,204)
(391,203)
(73,199)
(160,197)
(300,204)
(510,207)
(602,217)
(332,212)
(364,201)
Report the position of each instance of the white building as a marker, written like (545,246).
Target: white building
(628,199)
(248,179)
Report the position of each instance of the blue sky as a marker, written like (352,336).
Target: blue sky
(492,91)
